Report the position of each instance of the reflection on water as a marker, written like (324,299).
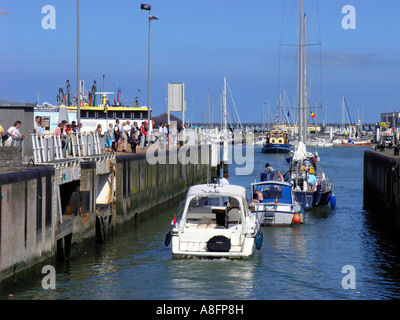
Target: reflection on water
(303,262)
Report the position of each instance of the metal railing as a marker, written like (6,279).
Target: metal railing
(53,147)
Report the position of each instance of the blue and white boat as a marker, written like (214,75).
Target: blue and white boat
(276,205)
(276,142)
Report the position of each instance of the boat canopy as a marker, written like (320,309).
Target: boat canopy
(219,190)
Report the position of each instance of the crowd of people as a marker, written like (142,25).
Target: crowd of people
(308,167)
(118,137)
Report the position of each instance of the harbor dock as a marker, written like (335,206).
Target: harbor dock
(382,185)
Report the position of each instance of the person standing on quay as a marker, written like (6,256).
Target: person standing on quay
(13,132)
(117,135)
(161,135)
(124,137)
(36,124)
(1,135)
(110,138)
(146,134)
(127,129)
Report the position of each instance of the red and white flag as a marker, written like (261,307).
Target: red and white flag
(173,221)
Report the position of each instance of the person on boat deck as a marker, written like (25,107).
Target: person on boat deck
(270,171)
(224,179)
(307,164)
(259,197)
(311,182)
(280,177)
(264,176)
(314,160)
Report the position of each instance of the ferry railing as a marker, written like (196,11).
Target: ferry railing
(52,147)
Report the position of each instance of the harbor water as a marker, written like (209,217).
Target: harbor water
(308,262)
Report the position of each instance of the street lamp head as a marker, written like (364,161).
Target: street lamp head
(145,7)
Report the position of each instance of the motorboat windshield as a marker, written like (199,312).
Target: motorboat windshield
(275,193)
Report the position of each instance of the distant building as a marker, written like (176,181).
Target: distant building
(391,119)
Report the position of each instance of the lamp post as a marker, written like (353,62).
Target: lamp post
(150,124)
(78,75)
(38,94)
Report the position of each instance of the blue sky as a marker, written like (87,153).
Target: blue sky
(200,42)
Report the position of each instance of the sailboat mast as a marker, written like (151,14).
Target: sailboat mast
(300,75)
(224,106)
(225,151)
(305,101)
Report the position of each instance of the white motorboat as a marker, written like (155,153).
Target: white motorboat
(276,206)
(321,143)
(215,223)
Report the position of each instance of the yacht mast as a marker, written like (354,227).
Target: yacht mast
(300,75)
(305,101)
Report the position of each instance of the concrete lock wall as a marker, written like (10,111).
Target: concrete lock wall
(382,187)
(43,220)
(27,221)
(141,185)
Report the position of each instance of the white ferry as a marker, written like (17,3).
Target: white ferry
(91,116)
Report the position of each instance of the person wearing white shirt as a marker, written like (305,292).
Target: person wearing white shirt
(128,128)
(13,132)
(162,135)
(224,179)
(124,137)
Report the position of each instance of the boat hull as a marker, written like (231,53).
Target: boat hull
(276,148)
(276,218)
(313,199)
(199,250)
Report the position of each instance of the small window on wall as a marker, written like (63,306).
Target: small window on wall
(46,123)
(101,115)
(91,115)
(84,114)
(128,115)
(118,115)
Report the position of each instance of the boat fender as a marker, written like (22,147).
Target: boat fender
(333,202)
(296,219)
(168,238)
(259,239)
